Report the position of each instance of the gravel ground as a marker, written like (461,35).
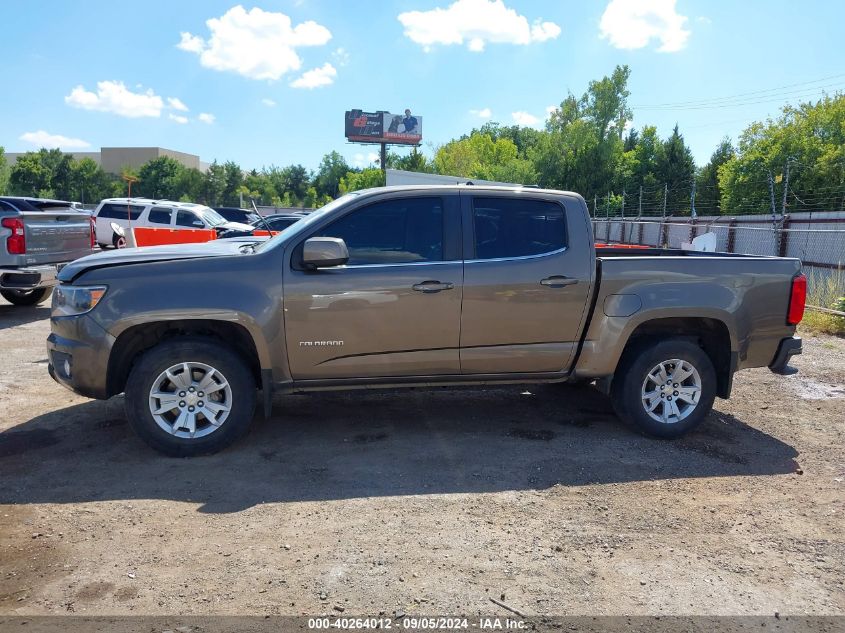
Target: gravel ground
(426,502)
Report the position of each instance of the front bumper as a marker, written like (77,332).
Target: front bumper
(787,348)
(78,355)
(30,277)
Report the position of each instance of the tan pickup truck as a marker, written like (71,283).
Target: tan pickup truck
(416,286)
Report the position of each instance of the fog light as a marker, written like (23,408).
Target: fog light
(66,367)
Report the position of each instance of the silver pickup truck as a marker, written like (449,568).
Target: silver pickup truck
(37,238)
(416,286)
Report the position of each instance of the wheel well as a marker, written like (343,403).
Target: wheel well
(138,339)
(711,335)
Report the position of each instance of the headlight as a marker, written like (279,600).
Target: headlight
(73,300)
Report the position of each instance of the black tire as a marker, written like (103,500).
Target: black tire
(26,297)
(627,388)
(210,352)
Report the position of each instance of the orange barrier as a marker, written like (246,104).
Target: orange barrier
(147,236)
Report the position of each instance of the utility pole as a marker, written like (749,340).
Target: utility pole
(772,196)
(692,212)
(785,187)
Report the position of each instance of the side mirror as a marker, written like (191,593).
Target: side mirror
(198,223)
(324,252)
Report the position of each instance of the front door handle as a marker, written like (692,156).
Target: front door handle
(432,286)
(558,281)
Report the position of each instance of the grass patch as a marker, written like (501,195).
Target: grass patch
(826,290)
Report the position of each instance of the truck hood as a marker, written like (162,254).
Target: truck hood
(147,254)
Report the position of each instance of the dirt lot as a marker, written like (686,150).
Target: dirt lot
(426,502)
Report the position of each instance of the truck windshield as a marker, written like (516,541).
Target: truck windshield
(308,220)
(213,218)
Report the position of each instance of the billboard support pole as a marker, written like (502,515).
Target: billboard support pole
(383,160)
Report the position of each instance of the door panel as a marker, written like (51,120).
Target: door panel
(522,309)
(368,321)
(396,309)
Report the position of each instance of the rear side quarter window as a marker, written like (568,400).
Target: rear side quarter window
(117,211)
(516,227)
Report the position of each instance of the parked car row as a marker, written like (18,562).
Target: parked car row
(144,212)
(37,237)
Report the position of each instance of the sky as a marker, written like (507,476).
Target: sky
(267,83)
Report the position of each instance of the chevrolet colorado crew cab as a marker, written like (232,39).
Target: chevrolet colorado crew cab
(37,237)
(416,286)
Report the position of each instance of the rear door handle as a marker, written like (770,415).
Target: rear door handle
(432,286)
(558,281)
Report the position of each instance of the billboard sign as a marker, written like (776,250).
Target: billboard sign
(383,127)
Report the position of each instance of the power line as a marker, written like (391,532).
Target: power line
(741,94)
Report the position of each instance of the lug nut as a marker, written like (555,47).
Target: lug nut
(669,398)
(191,389)
(675,394)
(200,403)
(182,403)
(190,408)
(182,394)
(200,394)
(675,385)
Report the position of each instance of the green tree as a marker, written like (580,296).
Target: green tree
(810,138)
(234,179)
(332,168)
(4,172)
(364,179)
(479,156)
(29,175)
(159,178)
(676,170)
(708,192)
(90,183)
(215,184)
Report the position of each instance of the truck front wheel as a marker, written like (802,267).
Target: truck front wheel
(664,388)
(26,297)
(190,396)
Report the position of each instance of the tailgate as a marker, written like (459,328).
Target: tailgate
(56,236)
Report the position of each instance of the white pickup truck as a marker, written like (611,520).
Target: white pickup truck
(37,238)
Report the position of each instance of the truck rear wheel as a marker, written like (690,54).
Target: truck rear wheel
(190,396)
(26,297)
(664,388)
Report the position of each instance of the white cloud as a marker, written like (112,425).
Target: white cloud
(257,44)
(178,118)
(115,97)
(524,118)
(340,56)
(191,43)
(484,113)
(176,104)
(476,23)
(360,160)
(631,24)
(205,117)
(269,103)
(316,77)
(45,139)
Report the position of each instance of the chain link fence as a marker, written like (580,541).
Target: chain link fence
(818,239)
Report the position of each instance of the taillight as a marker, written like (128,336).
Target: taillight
(16,242)
(93,232)
(797,299)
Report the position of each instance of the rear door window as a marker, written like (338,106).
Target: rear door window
(160,215)
(512,227)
